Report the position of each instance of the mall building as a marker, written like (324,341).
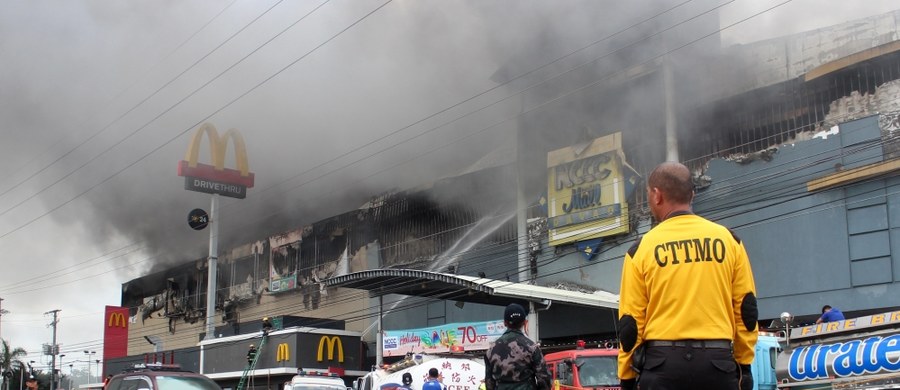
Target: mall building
(793,144)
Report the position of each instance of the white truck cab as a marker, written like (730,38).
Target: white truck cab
(315,381)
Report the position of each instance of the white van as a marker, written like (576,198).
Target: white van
(315,381)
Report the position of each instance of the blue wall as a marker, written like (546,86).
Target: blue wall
(809,249)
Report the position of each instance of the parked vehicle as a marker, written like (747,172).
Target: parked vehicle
(581,368)
(315,381)
(459,372)
(858,353)
(596,368)
(159,377)
(768,346)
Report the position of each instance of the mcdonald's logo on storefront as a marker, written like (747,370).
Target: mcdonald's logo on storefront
(215,178)
(331,342)
(116,319)
(283,353)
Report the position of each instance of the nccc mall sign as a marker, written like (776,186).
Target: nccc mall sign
(215,178)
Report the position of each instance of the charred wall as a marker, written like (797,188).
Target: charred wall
(770,116)
(283,274)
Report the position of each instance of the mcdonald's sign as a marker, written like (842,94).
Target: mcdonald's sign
(283,353)
(331,342)
(115,333)
(116,319)
(215,178)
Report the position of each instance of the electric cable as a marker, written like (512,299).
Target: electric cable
(109,102)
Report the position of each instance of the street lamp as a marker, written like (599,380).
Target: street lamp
(2,310)
(786,319)
(21,375)
(89,356)
(61,356)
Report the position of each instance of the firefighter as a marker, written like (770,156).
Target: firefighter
(251,354)
(266,326)
(687,309)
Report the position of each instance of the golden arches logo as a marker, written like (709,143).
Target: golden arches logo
(331,342)
(218,147)
(116,319)
(283,352)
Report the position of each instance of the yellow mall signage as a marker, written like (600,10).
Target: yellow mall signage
(283,353)
(215,178)
(116,319)
(331,342)
(586,195)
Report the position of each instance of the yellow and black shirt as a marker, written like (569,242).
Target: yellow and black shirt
(687,279)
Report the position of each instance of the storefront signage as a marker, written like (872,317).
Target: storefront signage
(586,191)
(471,336)
(215,178)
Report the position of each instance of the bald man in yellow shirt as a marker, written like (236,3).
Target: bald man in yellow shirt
(687,309)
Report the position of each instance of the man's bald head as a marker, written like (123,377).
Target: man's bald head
(674,180)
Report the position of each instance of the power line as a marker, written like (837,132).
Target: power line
(730,179)
(132,164)
(363,146)
(115,98)
(189,128)
(543,275)
(736,200)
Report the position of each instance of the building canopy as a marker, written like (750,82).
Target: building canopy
(466,288)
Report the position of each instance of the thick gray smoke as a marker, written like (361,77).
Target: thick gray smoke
(403,63)
(70,69)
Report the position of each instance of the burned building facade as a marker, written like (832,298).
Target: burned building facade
(796,153)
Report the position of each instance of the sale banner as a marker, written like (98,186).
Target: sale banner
(467,336)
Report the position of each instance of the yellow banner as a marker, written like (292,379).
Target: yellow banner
(586,191)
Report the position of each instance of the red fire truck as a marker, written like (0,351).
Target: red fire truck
(584,368)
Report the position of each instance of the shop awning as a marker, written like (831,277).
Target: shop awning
(467,288)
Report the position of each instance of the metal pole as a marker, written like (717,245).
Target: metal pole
(379,353)
(524,274)
(21,376)
(671,120)
(61,356)
(213,258)
(53,350)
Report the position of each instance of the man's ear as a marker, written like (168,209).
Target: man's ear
(655,196)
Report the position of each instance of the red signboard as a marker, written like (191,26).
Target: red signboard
(215,178)
(115,332)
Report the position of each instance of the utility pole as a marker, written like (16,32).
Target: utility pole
(2,312)
(53,350)
(211,268)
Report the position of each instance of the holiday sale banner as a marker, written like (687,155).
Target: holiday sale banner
(470,336)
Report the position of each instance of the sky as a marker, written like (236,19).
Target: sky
(336,101)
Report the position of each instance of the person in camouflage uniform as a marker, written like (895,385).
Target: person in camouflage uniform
(514,362)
